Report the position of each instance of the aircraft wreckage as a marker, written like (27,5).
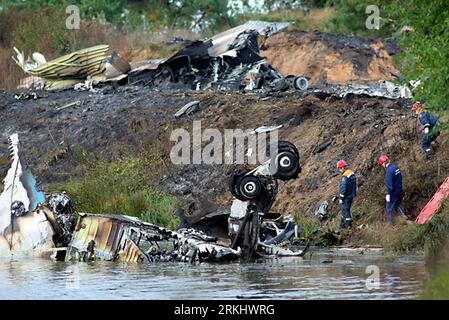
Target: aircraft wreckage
(230,61)
(32,223)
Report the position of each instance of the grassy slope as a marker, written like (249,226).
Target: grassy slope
(125,185)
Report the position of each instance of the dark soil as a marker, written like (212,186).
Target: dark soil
(357,129)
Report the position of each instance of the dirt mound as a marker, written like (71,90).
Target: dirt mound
(330,58)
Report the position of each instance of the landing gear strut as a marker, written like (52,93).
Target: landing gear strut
(257,190)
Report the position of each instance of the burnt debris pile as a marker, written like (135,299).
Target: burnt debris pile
(33,227)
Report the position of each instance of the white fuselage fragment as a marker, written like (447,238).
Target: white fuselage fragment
(13,188)
(31,230)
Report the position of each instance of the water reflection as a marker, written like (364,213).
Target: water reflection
(289,278)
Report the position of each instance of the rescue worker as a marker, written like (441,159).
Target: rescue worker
(393,182)
(431,130)
(347,192)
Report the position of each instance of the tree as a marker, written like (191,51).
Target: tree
(110,10)
(426,46)
(195,15)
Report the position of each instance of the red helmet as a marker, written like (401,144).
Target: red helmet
(416,106)
(382,159)
(341,164)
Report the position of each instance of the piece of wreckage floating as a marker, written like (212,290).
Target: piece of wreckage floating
(33,224)
(227,61)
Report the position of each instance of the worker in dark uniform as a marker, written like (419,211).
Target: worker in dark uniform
(431,130)
(347,192)
(393,182)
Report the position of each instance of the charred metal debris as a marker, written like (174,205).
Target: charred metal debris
(32,223)
(230,60)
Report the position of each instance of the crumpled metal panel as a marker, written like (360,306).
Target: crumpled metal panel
(384,89)
(111,235)
(76,65)
(104,232)
(222,41)
(131,253)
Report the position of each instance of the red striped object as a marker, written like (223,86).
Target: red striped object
(434,204)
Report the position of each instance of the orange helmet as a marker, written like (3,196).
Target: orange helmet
(416,106)
(341,164)
(382,159)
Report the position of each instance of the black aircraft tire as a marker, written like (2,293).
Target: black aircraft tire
(287,146)
(250,187)
(285,166)
(234,183)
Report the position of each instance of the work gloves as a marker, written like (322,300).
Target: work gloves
(426,130)
(387,197)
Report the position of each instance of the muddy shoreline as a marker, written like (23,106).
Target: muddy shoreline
(129,119)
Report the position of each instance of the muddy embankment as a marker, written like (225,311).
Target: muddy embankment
(324,128)
(327,58)
(109,124)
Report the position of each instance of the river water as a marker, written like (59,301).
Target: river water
(323,276)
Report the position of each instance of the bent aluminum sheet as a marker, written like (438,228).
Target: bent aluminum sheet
(222,41)
(112,234)
(78,64)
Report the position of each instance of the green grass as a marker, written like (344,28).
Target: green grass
(125,185)
(315,19)
(309,224)
(438,287)
(320,234)
(429,238)
(435,234)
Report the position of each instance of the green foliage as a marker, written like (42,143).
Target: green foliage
(104,9)
(32,33)
(273,5)
(426,47)
(309,224)
(300,19)
(429,238)
(125,185)
(193,14)
(438,287)
(351,18)
(185,14)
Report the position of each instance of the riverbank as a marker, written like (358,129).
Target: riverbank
(124,135)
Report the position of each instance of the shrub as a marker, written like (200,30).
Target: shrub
(126,185)
(438,287)
(309,224)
